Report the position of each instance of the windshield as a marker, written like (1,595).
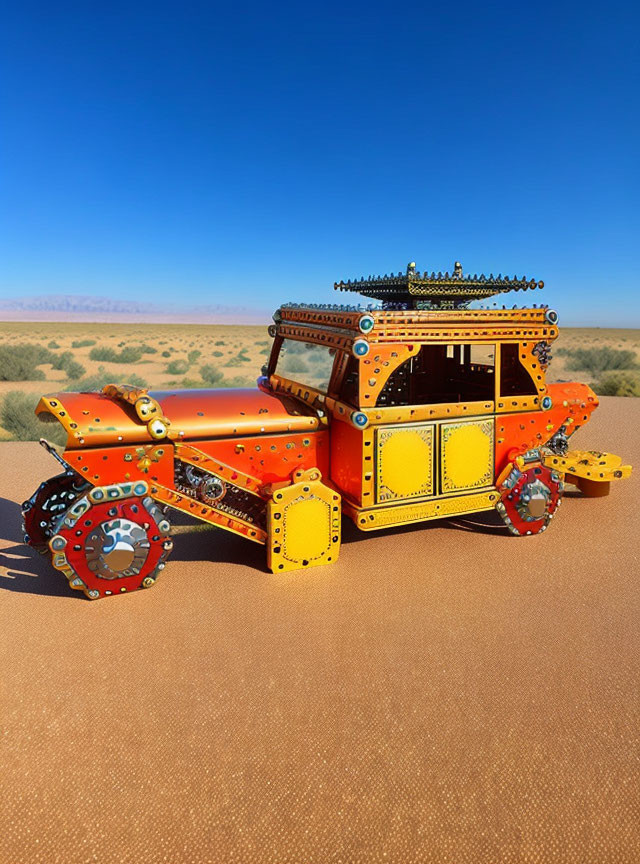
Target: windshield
(306,363)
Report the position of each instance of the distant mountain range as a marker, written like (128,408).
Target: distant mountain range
(74,307)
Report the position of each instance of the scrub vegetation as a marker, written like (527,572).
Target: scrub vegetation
(49,357)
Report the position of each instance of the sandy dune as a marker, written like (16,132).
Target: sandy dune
(442,694)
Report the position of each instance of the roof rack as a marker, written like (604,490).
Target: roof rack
(435,290)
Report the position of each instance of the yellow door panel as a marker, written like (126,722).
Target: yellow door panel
(404,462)
(466,460)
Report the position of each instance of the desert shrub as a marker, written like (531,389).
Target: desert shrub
(217,354)
(265,351)
(53,345)
(129,355)
(260,344)
(19,362)
(83,343)
(18,418)
(211,375)
(166,353)
(147,349)
(177,367)
(192,356)
(238,381)
(61,361)
(74,370)
(293,364)
(187,384)
(100,379)
(618,384)
(220,342)
(66,362)
(603,359)
(294,347)
(238,360)
(108,355)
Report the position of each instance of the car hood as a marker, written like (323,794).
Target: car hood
(92,419)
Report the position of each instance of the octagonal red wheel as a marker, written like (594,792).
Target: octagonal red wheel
(48,504)
(529,497)
(113,540)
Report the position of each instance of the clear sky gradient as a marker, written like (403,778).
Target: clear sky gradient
(252,153)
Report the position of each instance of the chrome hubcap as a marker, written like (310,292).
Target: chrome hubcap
(534,500)
(117,548)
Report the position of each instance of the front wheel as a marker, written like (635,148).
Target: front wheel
(113,540)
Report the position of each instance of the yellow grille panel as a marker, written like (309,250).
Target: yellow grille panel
(404,462)
(466,460)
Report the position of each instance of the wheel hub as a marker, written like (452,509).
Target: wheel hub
(529,497)
(116,548)
(534,499)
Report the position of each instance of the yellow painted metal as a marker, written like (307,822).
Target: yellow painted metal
(514,404)
(404,462)
(589,465)
(370,519)
(341,319)
(313,397)
(303,524)
(466,455)
(339,329)
(146,407)
(412,413)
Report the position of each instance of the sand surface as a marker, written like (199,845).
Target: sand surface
(444,693)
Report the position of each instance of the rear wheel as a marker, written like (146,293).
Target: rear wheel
(48,504)
(115,539)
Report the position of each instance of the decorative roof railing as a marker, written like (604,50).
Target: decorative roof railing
(436,290)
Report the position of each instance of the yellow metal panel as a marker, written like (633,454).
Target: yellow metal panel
(303,525)
(307,526)
(420,511)
(404,462)
(466,460)
(588,464)
(383,416)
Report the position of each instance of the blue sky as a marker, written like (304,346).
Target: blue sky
(254,153)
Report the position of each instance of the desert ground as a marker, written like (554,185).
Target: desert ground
(443,693)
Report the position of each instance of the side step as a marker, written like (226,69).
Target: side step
(590,470)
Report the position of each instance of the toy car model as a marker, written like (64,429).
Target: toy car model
(419,409)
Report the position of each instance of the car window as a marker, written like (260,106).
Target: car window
(514,378)
(306,363)
(443,373)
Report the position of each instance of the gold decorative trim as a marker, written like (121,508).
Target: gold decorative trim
(449,467)
(371,519)
(415,481)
